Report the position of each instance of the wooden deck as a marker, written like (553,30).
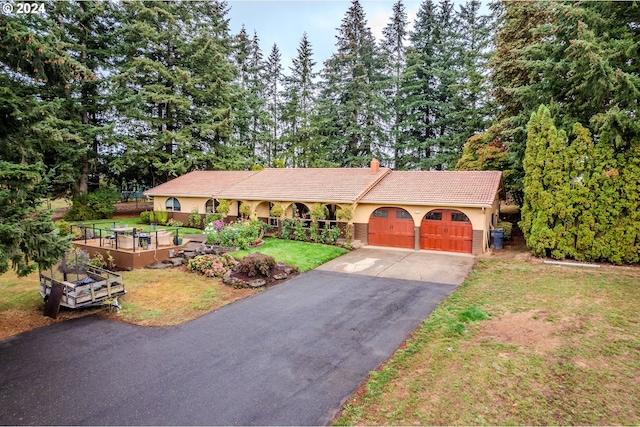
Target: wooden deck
(128,259)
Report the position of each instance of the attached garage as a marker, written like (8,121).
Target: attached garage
(446,230)
(450,211)
(393,227)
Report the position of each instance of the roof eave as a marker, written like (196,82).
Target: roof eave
(423,203)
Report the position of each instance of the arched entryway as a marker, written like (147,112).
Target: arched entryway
(391,227)
(446,230)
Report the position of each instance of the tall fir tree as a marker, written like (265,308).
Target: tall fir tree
(298,108)
(171,51)
(417,87)
(273,91)
(352,93)
(394,55)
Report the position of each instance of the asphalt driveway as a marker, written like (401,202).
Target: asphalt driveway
(290,355)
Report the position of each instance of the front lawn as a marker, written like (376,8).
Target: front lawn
(303,255)
(561,347)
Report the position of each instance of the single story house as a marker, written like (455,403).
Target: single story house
(437,210)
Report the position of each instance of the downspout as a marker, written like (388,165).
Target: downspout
(485,242)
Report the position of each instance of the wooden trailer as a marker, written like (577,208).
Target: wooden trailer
(94,287)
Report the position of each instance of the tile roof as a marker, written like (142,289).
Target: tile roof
(464,188)
(200,183)
(308,184)
(340,185)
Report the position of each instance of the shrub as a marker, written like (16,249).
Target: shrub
(287,228)
(161,216)
(245,210)
(334,235)
(212,265)
(97,205)
(223,207)
(194,218)
(241,234)
(277,211)
(173,223)
(97,261)
(299,233)
(211,218)
(147,217)
(507,226)
(64,227)
(256,263)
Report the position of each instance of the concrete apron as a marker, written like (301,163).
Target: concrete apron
(405,264)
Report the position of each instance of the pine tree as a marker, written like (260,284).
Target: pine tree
(352,93)
(174,89)
(33,62)
(273,89)
(394,57)
(418,85)
(298,108)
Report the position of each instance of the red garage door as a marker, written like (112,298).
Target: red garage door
(391,227)
(446,230)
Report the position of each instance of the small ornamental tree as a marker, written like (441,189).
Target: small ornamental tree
(345,214)
(223,207)
(317,213)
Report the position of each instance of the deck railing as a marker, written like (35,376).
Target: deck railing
(109,236)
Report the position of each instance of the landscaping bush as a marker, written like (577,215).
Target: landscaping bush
(507,226)
(223,207)
(212,218)
(194,218)
(299,233)
(334,235)
(256,263)
(173,223)
(212,265)
(147,217)
(161,216)
(277,211)
(241,234)
(64,227)
(97,205)
(287,228)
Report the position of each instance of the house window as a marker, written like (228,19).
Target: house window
(459,217)
(402,214)
(436,216)
(380,213)
(173,204)
(211,205)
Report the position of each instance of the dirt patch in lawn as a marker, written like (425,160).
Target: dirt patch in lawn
(13,322)
(535,330)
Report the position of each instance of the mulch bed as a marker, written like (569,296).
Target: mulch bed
(271,280)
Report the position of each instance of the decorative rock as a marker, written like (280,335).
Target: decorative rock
(257,283)
(280,276)
(177,261)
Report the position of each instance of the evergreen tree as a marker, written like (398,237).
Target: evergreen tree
(394,55)
(352,93)
(580,196)
(33,61)
(273,89)
(417,87)
(171,52)
(298,108)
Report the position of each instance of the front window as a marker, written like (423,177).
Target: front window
(173,204)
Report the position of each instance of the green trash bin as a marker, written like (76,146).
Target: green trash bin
(497,236)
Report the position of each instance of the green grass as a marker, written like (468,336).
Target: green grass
(132,222)
(520,342)
(303,255)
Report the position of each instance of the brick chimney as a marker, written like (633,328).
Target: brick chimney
(375,166)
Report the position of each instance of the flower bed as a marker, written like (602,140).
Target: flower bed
(241,234)
(212,265)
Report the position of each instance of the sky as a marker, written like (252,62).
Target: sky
(283,22)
